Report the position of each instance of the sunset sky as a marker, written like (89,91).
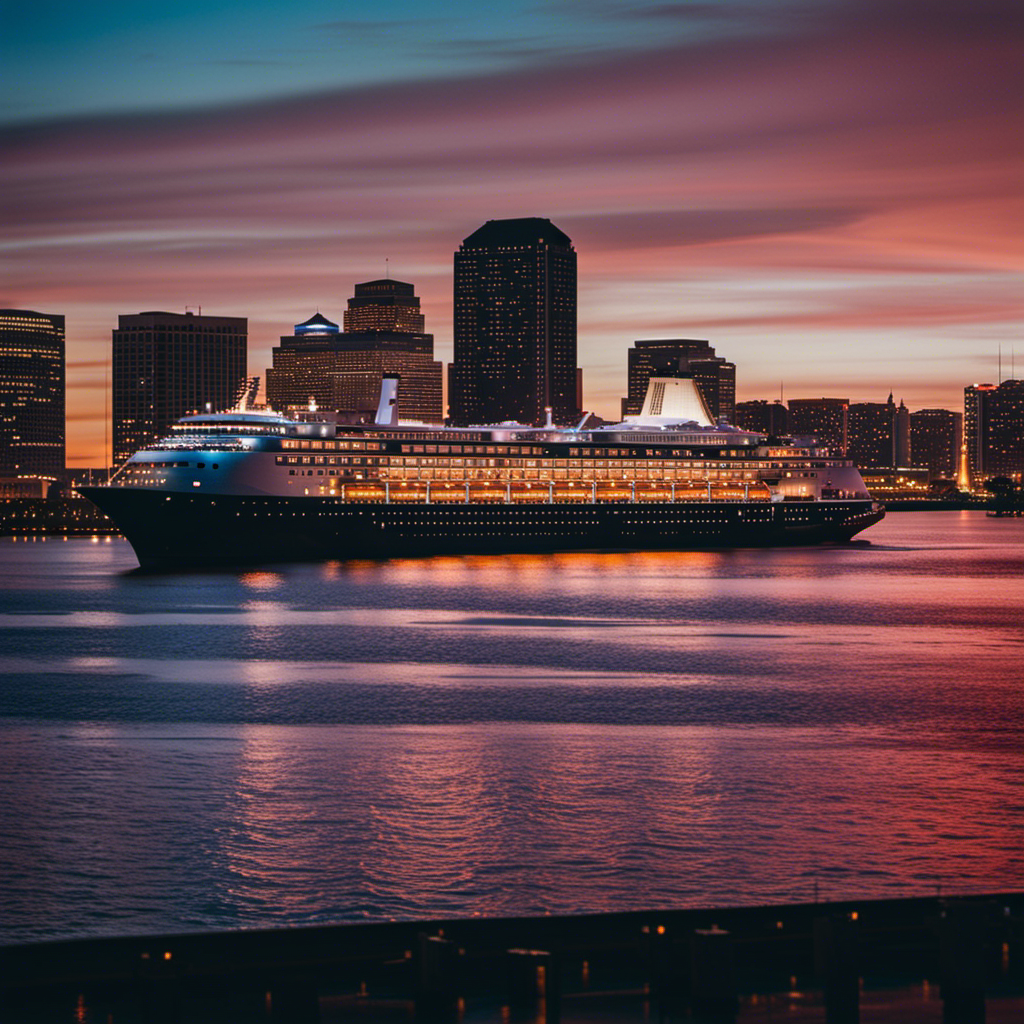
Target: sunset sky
(828,191)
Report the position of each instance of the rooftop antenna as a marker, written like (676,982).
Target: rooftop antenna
(387,269)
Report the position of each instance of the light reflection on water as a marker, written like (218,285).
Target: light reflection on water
(508,735)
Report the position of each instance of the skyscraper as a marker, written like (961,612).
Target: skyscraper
(515,325)
(384,306)
(342,370)
(878,435)
(935,441)
(994,430)
(167,365)
(31,393)
(714,376)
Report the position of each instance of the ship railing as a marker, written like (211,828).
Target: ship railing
(426,492)
(197,445)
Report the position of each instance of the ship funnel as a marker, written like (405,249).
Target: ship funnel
(673,400)
(549,419)
(387,408)
(245,397)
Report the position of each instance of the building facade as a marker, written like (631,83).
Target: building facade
(32,369)
(762,417)
(681,357)
(515,325)
(870,435)
(823,418)
(167,365)
(341,371)
(994,431)
(878,434)
(935,438)
(384,305)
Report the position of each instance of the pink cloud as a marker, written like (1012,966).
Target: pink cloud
(873,140)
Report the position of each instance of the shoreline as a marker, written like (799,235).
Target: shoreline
(454,969)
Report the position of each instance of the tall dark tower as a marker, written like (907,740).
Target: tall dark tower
(31,393)
(515,325)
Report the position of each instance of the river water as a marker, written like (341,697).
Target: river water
(508,735)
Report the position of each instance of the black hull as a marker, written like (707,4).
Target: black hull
(169,531)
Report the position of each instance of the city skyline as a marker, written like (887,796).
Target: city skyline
(812,190)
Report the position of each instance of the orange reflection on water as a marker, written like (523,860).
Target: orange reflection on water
(261,580)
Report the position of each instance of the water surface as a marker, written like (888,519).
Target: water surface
(496,735)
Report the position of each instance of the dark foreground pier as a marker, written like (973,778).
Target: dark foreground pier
(913,960)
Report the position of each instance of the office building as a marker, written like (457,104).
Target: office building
(384,306)
(167,365)
(32,438)
(761,417)
(869,437)
(994,431)
(341,371)
(935,439)
(823,418)
(682,357)
(515,325)
(878,434)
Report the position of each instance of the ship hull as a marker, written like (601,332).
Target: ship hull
(179,530)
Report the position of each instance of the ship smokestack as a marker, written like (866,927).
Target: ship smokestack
(387,408)
(548,412)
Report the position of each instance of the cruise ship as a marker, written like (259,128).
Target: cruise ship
(253,486)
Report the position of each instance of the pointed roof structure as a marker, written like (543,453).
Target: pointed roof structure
(317,324)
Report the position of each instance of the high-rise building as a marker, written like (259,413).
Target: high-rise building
(935,441)
(32,435)
(878,434)
(869,438)
(761,417)
(823,418)
(167,365)
(977,410)
(714,376)
(384,306)
(342,370)
(994,430)
(515,325)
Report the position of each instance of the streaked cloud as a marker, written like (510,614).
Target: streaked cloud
(849,177)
